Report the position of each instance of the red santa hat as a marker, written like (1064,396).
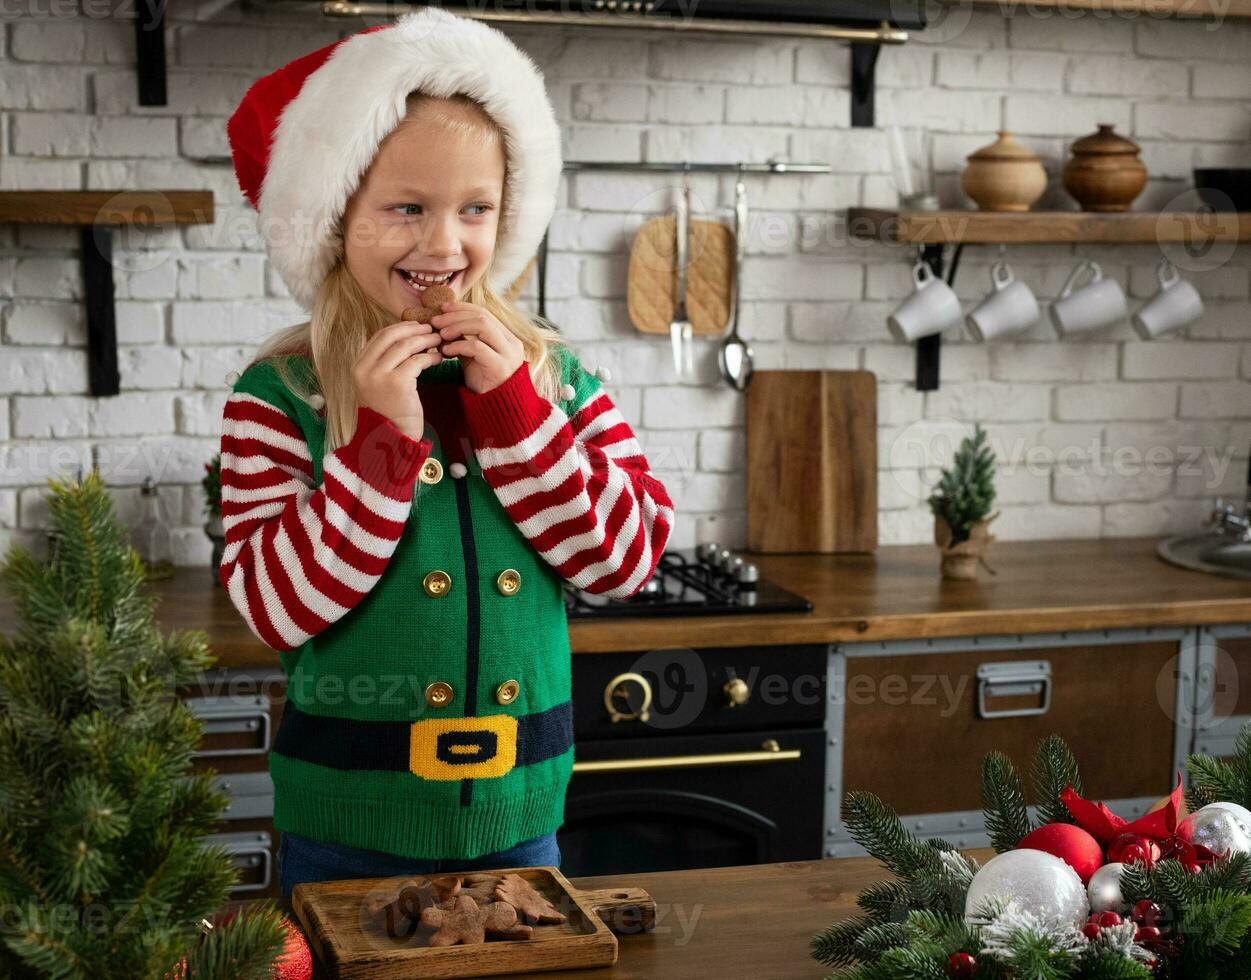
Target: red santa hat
(304,135)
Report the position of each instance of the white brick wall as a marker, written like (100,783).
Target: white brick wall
(1109,435)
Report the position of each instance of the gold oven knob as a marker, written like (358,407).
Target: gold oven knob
(736,692)
(506,693)
(431,471)
(437,584)
(439,694)
(509,581)
(628,697)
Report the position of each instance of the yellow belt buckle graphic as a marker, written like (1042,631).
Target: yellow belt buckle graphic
(462,748)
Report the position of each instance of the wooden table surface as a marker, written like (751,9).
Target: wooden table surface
(893,593)
(752,921)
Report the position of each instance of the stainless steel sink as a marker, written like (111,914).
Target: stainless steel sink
(1222,548)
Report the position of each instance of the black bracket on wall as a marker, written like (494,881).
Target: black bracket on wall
(930,347)
(863,85)
(97,262)
(150,51)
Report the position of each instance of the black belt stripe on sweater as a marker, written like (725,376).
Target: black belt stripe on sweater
(346,743)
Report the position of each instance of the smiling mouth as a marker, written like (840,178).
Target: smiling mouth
(417,287)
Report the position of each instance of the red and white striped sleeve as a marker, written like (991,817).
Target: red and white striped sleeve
(578,486)
(298,557)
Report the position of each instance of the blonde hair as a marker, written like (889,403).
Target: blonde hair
(345,317)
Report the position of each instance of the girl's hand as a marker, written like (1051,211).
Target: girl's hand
(487,349)
(386,372)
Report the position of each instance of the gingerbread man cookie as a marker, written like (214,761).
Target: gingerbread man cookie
(530,905)
(399,909)
(432,300)
(461,920)
(481,886)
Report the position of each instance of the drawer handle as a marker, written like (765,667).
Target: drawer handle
(769,753)
(1013,680)
(222,716)
(240,858)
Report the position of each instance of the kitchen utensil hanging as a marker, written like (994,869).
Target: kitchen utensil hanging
(680,324)
(698,229)
(735,357)
(654,283)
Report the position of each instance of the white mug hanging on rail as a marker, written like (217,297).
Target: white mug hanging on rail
(1097,304)
(932,308)
(1175,305)
(1009,309)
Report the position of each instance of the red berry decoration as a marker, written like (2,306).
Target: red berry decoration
(961,966)
(1091,930)
(1072,845)
(1109,919)
(1147,934)
(1146,913)
(1130,848)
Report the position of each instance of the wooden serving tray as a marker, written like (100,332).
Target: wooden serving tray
(350,944)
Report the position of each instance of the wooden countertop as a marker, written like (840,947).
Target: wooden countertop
(751,921)
(895,593)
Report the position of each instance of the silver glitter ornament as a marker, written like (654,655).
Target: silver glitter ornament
(1037,881)
(1104,889)
(1219,827)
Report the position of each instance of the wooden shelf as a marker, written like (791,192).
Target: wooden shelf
(1182,9)
(97,214)
(1048,227)
(106,207)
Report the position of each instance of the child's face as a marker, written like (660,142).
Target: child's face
(429,202)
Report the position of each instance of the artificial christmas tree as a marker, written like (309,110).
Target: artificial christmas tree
(961,503)
(103,869)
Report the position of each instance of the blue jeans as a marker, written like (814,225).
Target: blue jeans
(303,859)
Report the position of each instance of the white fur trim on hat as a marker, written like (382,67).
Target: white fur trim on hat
(330,132)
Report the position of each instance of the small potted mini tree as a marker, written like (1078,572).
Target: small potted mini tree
(961,504)
(213,527)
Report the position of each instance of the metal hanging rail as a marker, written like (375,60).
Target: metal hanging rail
(686,166)
(772,167)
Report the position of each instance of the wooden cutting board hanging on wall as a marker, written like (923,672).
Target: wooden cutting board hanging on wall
(812,461)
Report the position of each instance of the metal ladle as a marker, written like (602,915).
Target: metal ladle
(736,355)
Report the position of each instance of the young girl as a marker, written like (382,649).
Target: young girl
(403,499)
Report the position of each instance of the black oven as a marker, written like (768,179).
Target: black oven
(695,758)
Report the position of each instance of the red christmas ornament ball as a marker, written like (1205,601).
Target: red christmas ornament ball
(1146,912)
(1091,930)
(961,966)
(1109,918)
(1072,845)
(295,962)
(1146,934)
(1129,848)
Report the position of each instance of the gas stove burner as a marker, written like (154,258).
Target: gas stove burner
(705,581)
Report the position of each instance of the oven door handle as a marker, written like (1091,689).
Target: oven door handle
(770,751)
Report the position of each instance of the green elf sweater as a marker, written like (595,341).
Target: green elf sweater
(413,589)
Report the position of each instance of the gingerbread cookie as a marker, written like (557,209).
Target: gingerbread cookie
(398,910)
(462,920)
(418,314)
(481,886)
(530,905)
(433,297)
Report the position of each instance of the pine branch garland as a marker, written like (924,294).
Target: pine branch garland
(835,945)
(1003,802)
(1054,768)
(876,828)
(911,925)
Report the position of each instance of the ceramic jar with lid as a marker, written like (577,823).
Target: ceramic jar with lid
(1004,176)
(1104,173)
